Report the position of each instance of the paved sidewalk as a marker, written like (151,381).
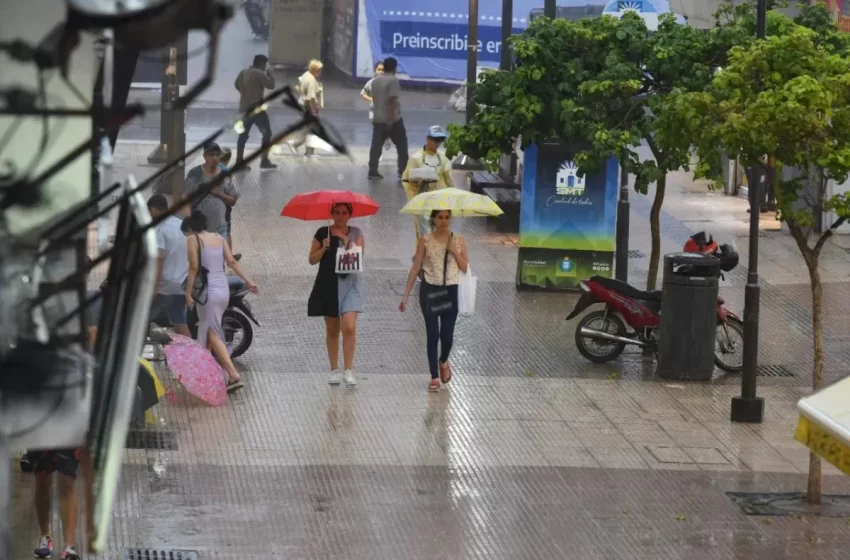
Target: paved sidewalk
(532,453)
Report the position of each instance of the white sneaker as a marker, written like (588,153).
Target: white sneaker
(350,380)
(336,378)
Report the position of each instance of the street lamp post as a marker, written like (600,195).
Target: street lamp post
(748,407)
(471,59)
(507,31)
(464,162)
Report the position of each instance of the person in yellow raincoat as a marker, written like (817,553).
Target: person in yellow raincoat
(427,170)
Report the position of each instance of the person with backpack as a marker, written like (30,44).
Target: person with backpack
(427,170)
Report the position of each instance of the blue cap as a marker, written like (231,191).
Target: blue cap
(437,132)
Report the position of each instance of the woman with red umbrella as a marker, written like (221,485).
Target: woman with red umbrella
(337,296)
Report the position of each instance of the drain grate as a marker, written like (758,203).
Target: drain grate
(774,371)
(635,254)
(790,503)
(152,554)
(151,439)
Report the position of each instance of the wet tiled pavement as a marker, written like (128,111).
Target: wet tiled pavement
(532,453)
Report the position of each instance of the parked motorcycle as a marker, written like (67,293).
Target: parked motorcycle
(238,331)
(256,19)
(602,335)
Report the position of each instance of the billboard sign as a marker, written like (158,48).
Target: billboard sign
(430,40)
(567,219)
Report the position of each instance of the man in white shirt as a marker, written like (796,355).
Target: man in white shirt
(172,267)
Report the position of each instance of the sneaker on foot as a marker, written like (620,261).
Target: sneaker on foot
(336,378)
(69,554)
(44,548)
(350,380)
(374,176)
(267,165)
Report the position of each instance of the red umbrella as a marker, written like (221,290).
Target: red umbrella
(316,205)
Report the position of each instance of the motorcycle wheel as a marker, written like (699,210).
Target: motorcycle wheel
(238,332)
(729,346)
(600,351)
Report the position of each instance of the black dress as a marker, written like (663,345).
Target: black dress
(334,294)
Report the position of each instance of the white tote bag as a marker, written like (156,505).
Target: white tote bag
(349,261)
(466,292)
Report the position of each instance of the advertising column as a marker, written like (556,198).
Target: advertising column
(567,220)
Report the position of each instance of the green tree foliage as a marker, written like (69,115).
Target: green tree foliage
(787,98)
(603,83)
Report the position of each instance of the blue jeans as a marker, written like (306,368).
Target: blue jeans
(440,332)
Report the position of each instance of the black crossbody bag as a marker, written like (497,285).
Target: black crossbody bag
(436,300)
(200,288)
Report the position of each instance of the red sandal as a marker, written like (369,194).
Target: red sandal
(434,386)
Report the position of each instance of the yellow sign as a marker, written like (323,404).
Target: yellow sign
(822,443)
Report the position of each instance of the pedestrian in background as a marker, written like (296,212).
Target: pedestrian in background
(172,267)
(435,172)
(312,99)
(366,94)
(442,256)
(252,83)
(337,297)
(214,204)
(63,465)
(387,121)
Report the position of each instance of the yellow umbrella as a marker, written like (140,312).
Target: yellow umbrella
(463,204)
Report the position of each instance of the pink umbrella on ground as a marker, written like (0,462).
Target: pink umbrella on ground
(196,369)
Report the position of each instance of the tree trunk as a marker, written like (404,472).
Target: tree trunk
(655,231)
(813,492)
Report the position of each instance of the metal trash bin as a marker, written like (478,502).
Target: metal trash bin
(688,316)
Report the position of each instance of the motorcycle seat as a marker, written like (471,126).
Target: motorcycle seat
(628,290)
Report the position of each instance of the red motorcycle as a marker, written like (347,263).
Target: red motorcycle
(602,335)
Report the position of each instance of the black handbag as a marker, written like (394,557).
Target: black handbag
(199,290)
(437,300)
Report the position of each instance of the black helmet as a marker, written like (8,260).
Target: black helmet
(728,257)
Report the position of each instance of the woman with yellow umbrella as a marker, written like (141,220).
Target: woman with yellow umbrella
(427,170)
(441,256)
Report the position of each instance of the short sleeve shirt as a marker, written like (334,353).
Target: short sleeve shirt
(212,207)
(172,246)
(354,234)
(384,88)
(311,89)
